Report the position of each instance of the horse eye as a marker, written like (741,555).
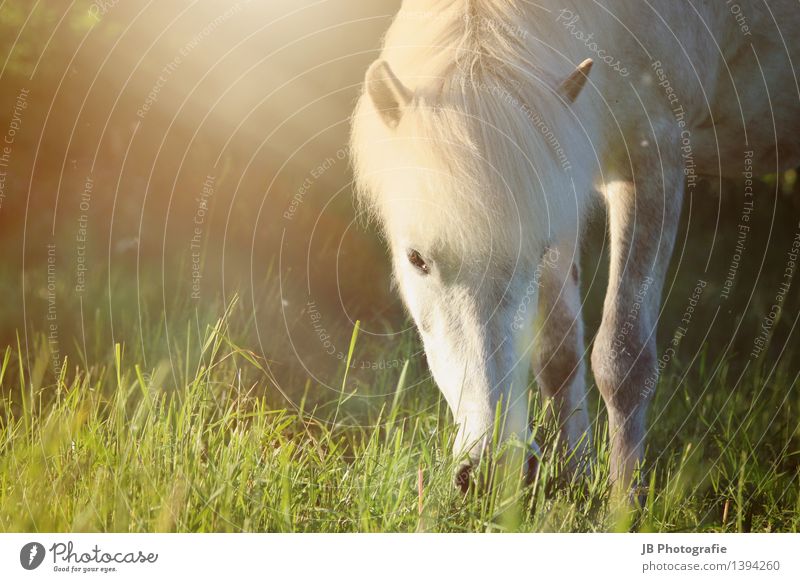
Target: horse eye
(416,259)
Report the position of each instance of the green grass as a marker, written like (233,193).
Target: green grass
(204,441)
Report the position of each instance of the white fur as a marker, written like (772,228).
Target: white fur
(490,163)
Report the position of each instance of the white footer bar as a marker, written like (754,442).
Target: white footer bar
(407,557)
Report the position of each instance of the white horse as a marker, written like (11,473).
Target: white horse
(486,130)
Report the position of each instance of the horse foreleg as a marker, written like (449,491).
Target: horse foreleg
(558,361)
(643,220)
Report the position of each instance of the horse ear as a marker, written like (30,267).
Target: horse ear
(387,92)
(572,85)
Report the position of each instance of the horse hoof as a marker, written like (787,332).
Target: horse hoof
(463,476)
(637,496)
(531,469)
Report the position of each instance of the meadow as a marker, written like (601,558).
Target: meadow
(182,278)
(204,437)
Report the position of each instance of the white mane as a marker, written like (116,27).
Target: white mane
(487,139)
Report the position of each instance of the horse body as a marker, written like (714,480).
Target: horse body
(735,89)
(482,134)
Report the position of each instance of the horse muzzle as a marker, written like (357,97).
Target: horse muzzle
(481,473)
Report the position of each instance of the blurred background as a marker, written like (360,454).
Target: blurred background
(166,157)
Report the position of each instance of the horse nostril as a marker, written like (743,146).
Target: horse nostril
(462,476)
